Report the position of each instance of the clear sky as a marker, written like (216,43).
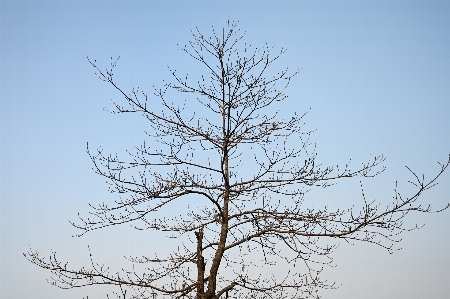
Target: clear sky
(376,75)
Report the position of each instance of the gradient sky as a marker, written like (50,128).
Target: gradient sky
(375,74)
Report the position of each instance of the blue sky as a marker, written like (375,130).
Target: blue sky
(375,74)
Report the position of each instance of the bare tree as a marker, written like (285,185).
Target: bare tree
(242,174)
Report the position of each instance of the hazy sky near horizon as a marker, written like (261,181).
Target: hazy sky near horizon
(376,75)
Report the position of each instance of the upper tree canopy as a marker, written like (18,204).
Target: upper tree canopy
(218,147)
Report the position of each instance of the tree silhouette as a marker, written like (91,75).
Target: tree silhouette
(242,173)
